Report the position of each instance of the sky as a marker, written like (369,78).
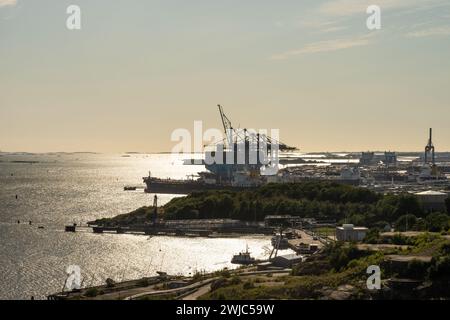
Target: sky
(139,69)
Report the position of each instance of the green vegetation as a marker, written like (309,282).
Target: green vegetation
(137,217)
(325,231)
(440,269)
(405,222)
(224,282)
(144,282)
(169,296)
(341,271)
(339,255)
(91,292)
(225,273)
(373,236)
(437,222)
(110,283)
(424,241)
(447,205)
(320,200)
(314,199)
(340,264)
(433,222)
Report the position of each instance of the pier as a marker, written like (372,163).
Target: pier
(181,228)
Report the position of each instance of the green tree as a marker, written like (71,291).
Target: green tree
(440,267)
(447,205)
(437,222)
(340,254)
(373,236)
(405,222)
(408,204)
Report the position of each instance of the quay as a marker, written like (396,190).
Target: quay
(194,228)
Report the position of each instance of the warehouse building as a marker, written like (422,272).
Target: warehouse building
(348,232)
(432,200)
(287,261)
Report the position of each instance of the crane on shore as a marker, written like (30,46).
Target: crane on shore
(429,150)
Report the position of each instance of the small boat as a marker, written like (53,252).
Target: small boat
(71,228)
(243,258)
(129,188)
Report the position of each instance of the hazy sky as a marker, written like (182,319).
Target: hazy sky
(138,69)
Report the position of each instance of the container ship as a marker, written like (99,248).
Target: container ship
(241,161)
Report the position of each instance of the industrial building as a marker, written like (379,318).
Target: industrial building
(282,220)
(348,232)
(432,200)
(372,158)
(287,261)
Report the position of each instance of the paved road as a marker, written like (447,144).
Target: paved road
(172,291)
(305,238)
(205,289)
(201,287)
(198,293)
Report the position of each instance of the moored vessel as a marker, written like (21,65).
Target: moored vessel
(243,258)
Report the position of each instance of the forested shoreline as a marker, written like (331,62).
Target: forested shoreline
(319,200)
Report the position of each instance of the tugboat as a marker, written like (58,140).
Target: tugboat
(243,258)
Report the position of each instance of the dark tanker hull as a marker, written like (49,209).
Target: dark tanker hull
(164,186)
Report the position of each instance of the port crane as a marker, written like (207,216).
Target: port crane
(245,135)
(429,150)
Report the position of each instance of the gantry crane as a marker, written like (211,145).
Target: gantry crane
(245,135)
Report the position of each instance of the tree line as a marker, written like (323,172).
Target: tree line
(313,199)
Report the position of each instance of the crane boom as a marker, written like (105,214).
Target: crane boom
(227,126)
(230,131)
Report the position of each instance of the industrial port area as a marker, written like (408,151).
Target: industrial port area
(379,171)
(399,201)
(226,159)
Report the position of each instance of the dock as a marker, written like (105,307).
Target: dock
(306,242)
(181,228)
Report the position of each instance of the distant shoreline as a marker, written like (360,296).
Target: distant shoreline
(312,153)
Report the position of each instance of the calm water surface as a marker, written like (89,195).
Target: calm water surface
(63,188)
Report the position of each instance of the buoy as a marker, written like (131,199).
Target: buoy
(17,196)
(18,221)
